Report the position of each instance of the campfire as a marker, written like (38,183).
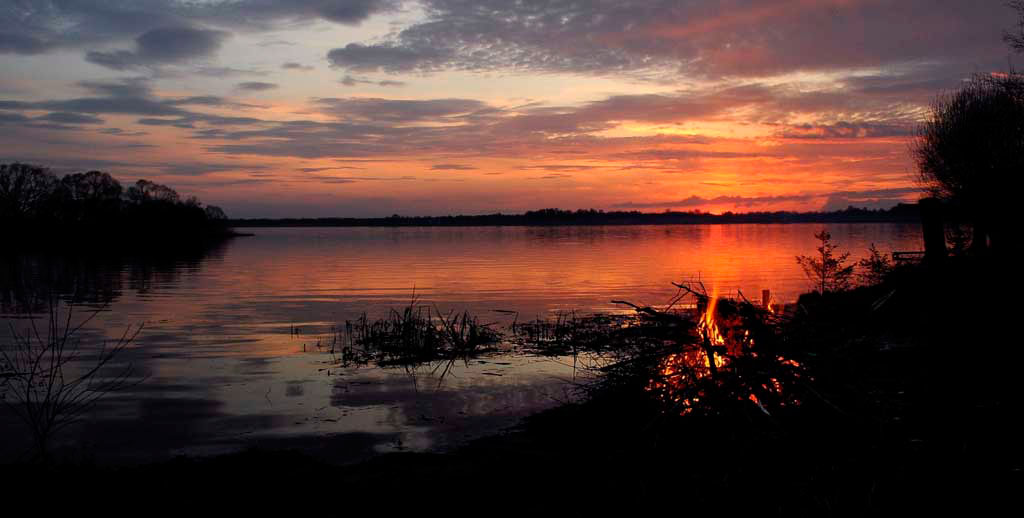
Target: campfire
(722,361)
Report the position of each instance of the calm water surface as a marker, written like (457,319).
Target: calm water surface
(223,367)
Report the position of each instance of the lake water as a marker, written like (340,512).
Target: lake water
(228,357)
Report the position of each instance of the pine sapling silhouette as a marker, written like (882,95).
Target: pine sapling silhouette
(828,270)
(875,267)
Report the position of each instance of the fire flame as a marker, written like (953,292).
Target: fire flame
(679,372)
(708,326)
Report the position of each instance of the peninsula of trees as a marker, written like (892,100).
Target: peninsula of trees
(39,208)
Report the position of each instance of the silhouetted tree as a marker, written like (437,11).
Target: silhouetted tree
(215,213)
(35,204)
(92,187)
(145,191)
(91,197)
(875,267)
(970,148)
(49,380)
(24,191)
(828,271)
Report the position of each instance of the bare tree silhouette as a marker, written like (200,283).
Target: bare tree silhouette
(49,380)
(24,191)
(35,204)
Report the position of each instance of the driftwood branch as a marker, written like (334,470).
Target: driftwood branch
(640,309)
(662,316)
(701,297)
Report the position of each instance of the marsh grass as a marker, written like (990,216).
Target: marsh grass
(416,335)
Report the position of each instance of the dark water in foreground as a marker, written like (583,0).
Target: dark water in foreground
(222,366)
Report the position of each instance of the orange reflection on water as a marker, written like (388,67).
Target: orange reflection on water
(246,298)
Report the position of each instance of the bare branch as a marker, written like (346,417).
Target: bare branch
(38,374)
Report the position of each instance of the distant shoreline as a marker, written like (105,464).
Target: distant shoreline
(903,213)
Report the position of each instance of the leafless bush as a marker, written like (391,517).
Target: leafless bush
(49,380)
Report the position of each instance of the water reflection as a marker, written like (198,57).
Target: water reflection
(92,278)
(224,367)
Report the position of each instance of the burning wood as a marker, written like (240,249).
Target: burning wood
(723,361)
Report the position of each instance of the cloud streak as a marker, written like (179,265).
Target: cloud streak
(851,197)
(256,86)
(743,38)
(161,46)
(42,26)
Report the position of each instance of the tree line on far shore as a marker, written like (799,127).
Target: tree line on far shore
(35,202)
(903,212)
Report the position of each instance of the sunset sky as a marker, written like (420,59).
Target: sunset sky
(372,107)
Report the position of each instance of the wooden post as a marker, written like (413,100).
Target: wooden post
(766,299)
(934,229)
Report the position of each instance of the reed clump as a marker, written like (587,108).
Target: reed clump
(417,334)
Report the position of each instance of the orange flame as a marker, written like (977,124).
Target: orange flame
(679,371)
(708,325)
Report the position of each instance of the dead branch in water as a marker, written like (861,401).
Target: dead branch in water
(701,296)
